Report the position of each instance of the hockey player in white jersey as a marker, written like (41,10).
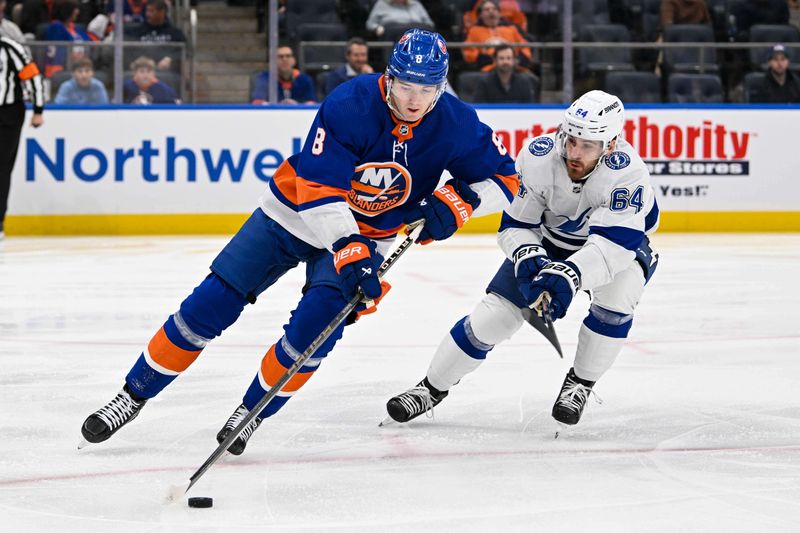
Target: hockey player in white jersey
(580,221)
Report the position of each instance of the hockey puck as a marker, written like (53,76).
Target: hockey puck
(201,502)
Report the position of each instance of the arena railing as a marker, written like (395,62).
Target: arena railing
(554,63)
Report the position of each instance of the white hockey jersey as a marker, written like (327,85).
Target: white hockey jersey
(603,219)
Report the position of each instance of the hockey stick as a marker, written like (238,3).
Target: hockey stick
(177,491)
(544,324)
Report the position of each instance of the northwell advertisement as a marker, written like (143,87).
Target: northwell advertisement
(205,161)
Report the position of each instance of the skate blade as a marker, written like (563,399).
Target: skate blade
(388,421)
(83,444)
(562,429)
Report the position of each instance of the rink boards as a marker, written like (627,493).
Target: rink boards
(201,169)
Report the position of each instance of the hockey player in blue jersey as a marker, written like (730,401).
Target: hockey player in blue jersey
(580,221)
(371,164)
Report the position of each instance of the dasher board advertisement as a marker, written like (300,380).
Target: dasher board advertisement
(201,169)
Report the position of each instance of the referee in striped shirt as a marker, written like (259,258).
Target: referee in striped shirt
(16,69)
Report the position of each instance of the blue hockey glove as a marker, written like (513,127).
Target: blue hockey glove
(357,266)
(528,260)
(446,210)
(558,280)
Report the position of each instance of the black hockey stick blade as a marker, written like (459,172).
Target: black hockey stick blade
(543,326)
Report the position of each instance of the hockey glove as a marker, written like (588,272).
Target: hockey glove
(446,210)
(370,306)
(357,266)
(528,261)
(557,282)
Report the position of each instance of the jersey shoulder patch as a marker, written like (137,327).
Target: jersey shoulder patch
(541,146)
(617,160)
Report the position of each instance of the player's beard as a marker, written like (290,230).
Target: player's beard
(576,173)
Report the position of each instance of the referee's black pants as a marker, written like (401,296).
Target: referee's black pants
(11,119)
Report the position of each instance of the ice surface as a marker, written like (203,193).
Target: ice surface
(699,429)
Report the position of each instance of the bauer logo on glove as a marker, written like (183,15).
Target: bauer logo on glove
(444,211)
(561,281)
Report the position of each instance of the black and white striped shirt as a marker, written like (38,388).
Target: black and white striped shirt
(18,69)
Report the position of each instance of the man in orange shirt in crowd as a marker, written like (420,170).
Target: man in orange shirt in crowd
(509,10)
(490,32)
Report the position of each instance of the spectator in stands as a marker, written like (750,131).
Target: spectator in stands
(356,57)
(405,13)
(490,32)
(34,13)
(83,88)
(63,29)
(684,12)
(158,29)
(133,11)
(780,85)
(7,28)
(752,12)
(509,11)
(294,87)
(504,84)
(144,88)
(100,28)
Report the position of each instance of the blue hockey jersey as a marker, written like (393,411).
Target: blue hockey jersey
(361,168)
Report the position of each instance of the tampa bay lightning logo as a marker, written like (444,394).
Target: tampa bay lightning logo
(573,226)
(541,146)
(617,160)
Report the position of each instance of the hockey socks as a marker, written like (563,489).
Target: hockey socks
(600,341)
(459,353)
(168,354)
(274,365)
(493,320)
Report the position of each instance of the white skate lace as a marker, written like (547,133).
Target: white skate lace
(574,396)
(417,400)
(118,411)
(237,417)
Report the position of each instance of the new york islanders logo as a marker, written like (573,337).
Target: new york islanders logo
(617,160)
(541,146)
(378,187)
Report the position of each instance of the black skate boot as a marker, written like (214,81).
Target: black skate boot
(415,401)
(238,445)
(572,399)
(111,417)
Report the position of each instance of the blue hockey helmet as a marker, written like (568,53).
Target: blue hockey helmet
(420,56)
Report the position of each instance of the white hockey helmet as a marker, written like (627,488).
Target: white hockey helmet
(595,116)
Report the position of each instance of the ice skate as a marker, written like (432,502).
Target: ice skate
(419,399)
(572,399)
(238,445)
(107,420)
